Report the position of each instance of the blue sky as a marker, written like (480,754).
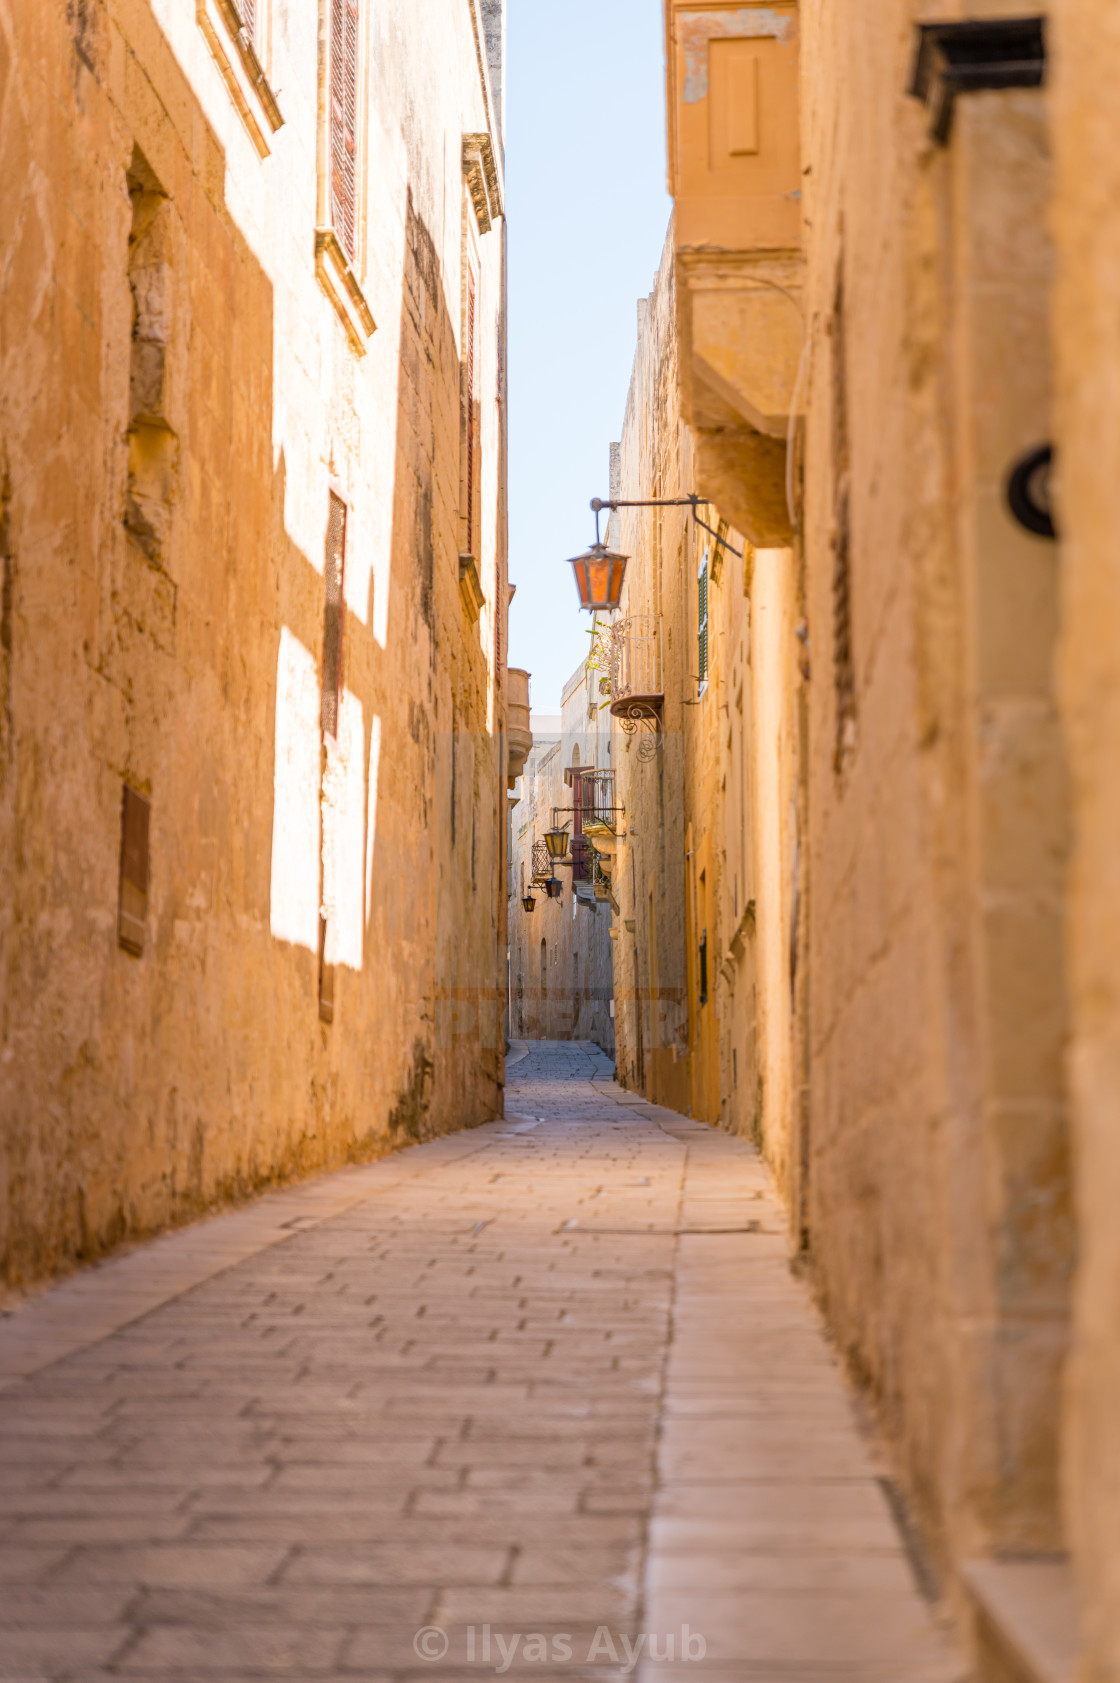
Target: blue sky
(587,214)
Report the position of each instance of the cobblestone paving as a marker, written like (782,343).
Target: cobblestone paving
(529,1401)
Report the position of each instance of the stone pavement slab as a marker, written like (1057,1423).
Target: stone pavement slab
(542,1399)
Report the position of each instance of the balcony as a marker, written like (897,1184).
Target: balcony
(735,176)
(598,810)
(519,736)
(637,685)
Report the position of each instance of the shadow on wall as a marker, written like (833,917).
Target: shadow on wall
(343,811)
(138,420)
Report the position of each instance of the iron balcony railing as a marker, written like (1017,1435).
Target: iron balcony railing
(542,864)
(636,673)
(597,799)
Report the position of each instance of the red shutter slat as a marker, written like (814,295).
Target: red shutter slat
(345,36)
(132,911)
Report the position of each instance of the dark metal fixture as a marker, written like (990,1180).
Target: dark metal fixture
(1028,491)
(528,902)
(542,865)
(971,56)
(600,571)
(693,502)
(554,888)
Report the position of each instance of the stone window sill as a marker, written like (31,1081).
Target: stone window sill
(341,286)
(241,71)
(1025,1617)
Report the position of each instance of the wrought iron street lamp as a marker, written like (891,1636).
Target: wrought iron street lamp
(554,888)
(528,902)
(556,840)
(599,573)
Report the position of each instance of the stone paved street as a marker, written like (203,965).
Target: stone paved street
(525,1394)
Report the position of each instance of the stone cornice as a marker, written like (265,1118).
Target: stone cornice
(480,169)
(241,70)
(341,285)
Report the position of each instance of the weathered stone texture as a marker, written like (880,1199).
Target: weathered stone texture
(1086,38)
(178,395)
(938,1209)
(707,884)
(560,953)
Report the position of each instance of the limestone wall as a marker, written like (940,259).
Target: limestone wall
(938,1205)
(1085,39)
(656,989)
(560,952)
(704,979)
(179,399)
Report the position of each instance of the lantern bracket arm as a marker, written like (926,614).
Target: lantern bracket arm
(585,810)
(692,502)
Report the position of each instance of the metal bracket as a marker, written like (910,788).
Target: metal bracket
(646,721)
(1028,491)
(968,57)
(692,502)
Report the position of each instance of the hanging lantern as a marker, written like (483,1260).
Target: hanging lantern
(556,840)
(554,888)
(599,574)
(528,902)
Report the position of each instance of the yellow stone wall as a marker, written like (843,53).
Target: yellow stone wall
(938,1211)
(564,993)
(865,355)
(1085,40)
(710,859)
(163,606)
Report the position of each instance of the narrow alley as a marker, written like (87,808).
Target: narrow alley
(541,1397)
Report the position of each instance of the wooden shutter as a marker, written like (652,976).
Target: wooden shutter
(344,122)
(132,914)
(332,619)
(471,311)
(248,11)
(581,847)
(326,976)
(702,629)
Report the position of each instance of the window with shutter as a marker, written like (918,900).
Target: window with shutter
(248,12)
(132,914)
(344,122)
(702,622)
(843,663)
(326,976)
(332,618)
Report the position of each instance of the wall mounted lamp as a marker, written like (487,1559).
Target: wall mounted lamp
(556,840)
(599,571)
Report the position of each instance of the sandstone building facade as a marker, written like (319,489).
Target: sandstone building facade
(868,876)
(560,949)
(252,634)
